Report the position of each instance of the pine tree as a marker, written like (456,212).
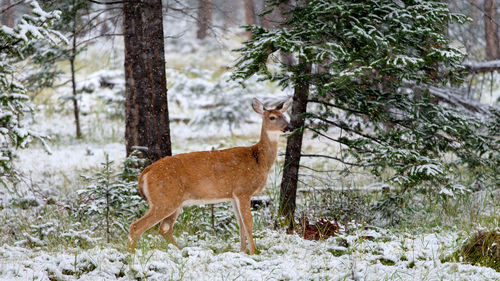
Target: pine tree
(77,20)
(112,197)
(15,44)
(377,70)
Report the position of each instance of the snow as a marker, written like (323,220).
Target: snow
(483,66)
(195,81)
(282,257)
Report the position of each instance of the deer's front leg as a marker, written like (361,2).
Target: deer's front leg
(246,217)
(243,239)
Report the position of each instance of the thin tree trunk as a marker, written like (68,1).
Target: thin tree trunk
(204,18)
(76,109)
(229,18)
(107,214)
(249,8)
(288,189)
(8,15)
(147,122)
(491,30)
(474,11)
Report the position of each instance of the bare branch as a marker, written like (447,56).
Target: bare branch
(105,3)
(12,5)
(334,158)
(99,36)
(336,106)
(452,96)
(331,122)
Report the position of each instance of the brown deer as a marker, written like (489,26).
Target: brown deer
(206,177)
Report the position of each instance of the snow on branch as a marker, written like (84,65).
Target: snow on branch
(480,67)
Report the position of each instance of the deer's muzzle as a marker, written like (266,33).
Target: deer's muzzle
(288,128)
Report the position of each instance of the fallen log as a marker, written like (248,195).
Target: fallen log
(482,67)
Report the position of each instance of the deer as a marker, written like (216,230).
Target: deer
(208,177)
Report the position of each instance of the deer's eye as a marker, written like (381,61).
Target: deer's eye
(272,117)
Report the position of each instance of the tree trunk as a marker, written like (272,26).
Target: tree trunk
(8,15)
(204,18)
(491,30)
(229,17)
(475,14)
(146,109)
(288,189)
(249,8)
(277,17)
(76,109)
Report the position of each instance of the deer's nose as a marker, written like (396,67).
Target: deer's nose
(288,128)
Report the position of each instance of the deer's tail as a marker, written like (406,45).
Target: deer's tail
(142,184)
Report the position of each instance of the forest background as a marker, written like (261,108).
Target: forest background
(393,165)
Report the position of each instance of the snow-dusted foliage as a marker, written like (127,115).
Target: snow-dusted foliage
(214,98)
(373,63)
(112,197)
(14,102)
(197,97)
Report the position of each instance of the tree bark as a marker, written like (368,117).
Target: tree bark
(288,190)
(249,8)
(275,18)
(146,109)
(76,109)
(204,18)
(8,15)
(491,30)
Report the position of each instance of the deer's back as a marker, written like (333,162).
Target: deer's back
(207,174)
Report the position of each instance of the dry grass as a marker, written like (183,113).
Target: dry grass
(482,248)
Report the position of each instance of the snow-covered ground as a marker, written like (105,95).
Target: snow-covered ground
(366,255)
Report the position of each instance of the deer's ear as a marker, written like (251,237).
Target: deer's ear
(284,105)
(257,106)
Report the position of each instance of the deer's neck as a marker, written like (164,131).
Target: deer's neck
(268,147)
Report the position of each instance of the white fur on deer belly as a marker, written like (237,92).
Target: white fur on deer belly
(193,202)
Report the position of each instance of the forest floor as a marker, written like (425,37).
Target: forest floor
(40,241)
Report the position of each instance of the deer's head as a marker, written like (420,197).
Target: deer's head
(273,120)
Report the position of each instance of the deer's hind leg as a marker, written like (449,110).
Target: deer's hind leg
(150,219)
(167,227)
